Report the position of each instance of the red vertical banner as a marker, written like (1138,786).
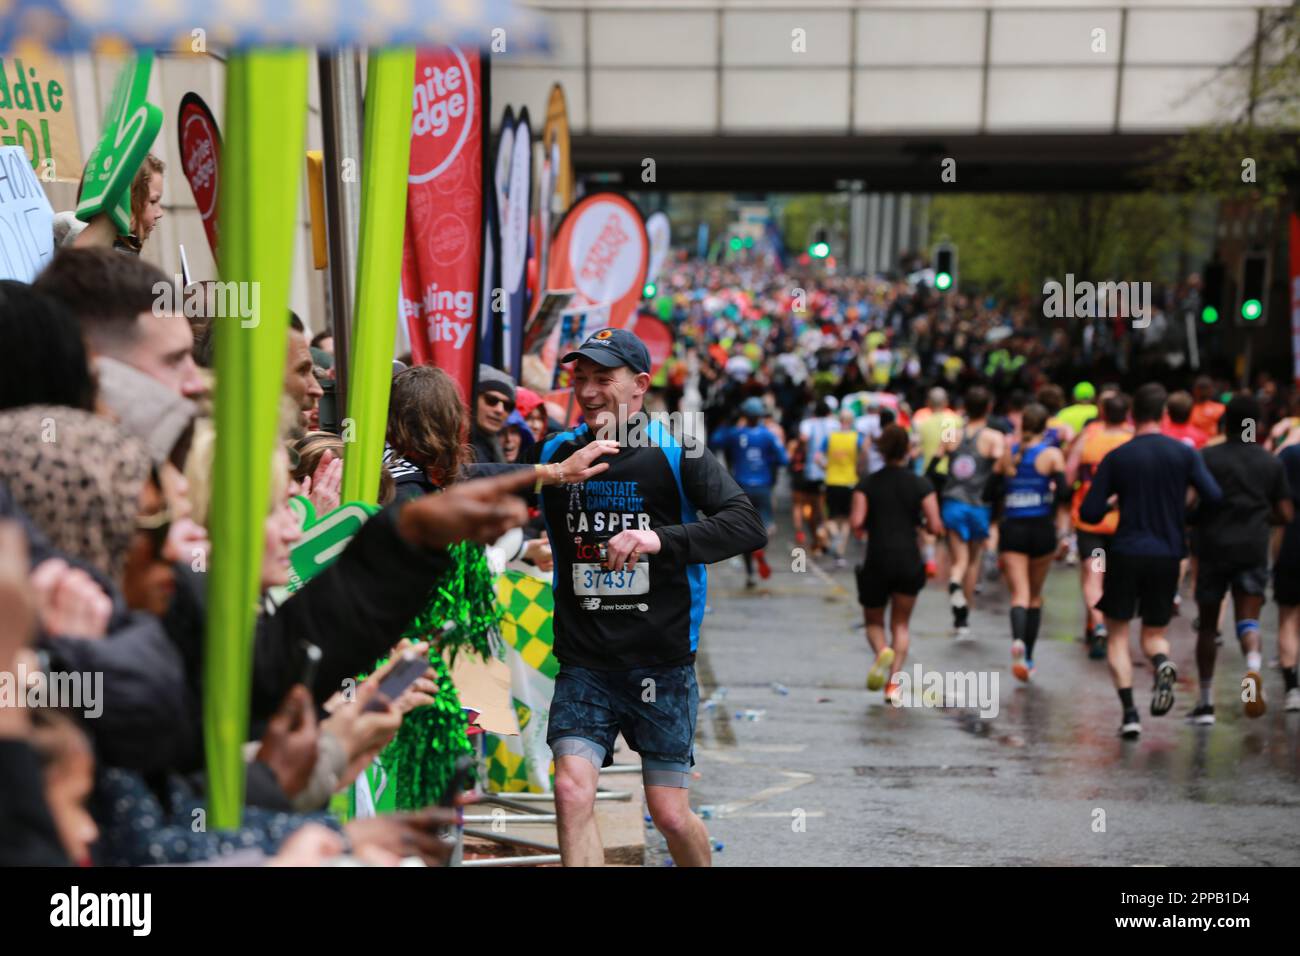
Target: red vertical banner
(201,159)
(1295,297)
(442,256)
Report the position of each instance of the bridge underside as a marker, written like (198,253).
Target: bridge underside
(912,163)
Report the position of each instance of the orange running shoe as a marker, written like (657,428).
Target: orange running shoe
(1252,695)
(764,569)
(930,569)
(894,693)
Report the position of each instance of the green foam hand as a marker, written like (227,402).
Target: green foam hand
(323,538)
(130,127)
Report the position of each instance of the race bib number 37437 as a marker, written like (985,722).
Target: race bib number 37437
(596,579)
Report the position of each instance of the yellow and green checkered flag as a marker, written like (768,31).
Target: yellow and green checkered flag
(523,763)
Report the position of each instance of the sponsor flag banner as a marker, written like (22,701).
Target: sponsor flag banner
(36,116)
(555,143)
(524,763)
(442,262)
(514,244)
(658,339)
(494,318)
(602,251)
(659,232)
(545,196)
(26,218)
(201,159)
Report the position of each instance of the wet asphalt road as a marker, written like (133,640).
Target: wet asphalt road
(830,774)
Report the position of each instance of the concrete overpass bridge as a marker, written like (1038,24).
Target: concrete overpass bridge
(1023,94)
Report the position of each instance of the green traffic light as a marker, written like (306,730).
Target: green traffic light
(819,250)
(1209,315)
(943,281)
(1251,309)
(735,243)
(749,242)
(649,290)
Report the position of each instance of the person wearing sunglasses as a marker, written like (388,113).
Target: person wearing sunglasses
(494,400)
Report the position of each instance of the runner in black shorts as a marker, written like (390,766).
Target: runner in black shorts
(889,506)
(1286,584)
(1027,538)
(1232,549)
(1149,476)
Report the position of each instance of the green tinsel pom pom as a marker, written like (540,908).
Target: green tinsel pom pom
(423,755)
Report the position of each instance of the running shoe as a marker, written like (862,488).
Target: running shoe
(1097,643)
(962,634)
(894,694)
(931,569)
(1292,699)
(800,538)
(1162,694)
(750,583)
(1131,728)
(1252,691)
(880,669)
(1203,715)
(764,569)
(841,563)
(1018,665)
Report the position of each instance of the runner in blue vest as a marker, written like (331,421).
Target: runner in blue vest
(1034,469)
(754,455)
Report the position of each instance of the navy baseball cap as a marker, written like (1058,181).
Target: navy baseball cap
(612,348)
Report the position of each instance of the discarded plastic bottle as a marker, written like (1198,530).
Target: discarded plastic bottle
(717,846)
(781,689)
(706,812)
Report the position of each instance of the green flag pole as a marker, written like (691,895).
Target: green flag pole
(386,151)
(261,165)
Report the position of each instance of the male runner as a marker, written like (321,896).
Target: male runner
(630,548)
(1094,444)
(1232,549)
(972,454)
(1149,476)
(754,455)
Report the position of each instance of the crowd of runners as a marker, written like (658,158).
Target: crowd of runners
(937,429)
